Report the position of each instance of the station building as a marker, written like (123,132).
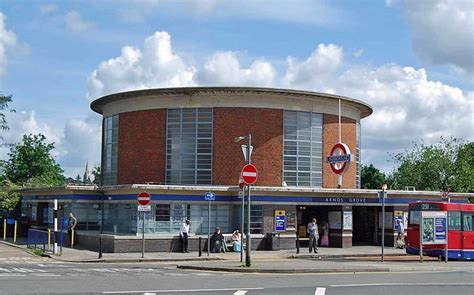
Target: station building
(179,143)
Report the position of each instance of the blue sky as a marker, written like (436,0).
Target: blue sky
(403,57)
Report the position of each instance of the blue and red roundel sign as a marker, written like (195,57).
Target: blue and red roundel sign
(340,158)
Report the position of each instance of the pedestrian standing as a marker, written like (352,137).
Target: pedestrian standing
(401,234)
(184,234)
(72,222)
(313,233)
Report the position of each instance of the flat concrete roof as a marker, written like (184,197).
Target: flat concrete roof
(98,104)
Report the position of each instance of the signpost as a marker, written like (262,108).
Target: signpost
(143,200)
(209,197)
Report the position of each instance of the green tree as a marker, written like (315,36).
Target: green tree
(435,167)
(9,197)
(31,164)
(463,180)
(371,177)
(97,175)
(4,101)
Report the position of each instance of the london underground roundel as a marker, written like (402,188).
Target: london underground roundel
(339,158)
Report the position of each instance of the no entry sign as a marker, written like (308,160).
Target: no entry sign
(249,174)
(143,198)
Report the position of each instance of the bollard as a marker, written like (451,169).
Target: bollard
(49,239)
(200,246)
(297,243)
(72,238)
(5,229)
(14,232)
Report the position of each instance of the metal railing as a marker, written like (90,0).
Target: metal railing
(42,239)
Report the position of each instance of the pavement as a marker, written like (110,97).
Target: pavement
(356,259)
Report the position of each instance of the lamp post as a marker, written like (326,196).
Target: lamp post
(383,196)
(248,244)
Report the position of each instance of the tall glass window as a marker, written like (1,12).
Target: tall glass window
(302,148)
(110,150)
(358,165)
(189,146)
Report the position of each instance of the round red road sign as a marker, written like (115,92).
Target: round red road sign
(249,174)
(340,158)
(143,198)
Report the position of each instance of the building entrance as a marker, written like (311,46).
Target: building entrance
(364,221)
(307,213)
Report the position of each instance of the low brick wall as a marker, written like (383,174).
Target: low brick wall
(121,244)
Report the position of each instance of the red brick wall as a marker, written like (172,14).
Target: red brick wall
(330,138)
(141,147)
(266,127)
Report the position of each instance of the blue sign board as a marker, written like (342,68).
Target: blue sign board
(440,229)
(210,196)
(280,220)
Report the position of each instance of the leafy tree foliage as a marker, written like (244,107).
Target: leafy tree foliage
(31,164)
(97,175)
(371,177)
(9,197)
(4,101)
(435,167)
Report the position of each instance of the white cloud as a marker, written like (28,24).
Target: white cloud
(75,144)
(7,43)
(156,65)
(75,23)
(442,31)
(324,61)
(48,8)
(224,68)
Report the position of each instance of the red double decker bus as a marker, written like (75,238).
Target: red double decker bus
(460,230)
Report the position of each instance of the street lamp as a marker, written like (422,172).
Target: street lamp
(383,196)
(248,243)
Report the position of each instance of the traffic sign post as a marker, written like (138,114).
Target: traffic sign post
(209,197)
(143,200)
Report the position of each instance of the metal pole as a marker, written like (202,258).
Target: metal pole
(55,215)
(200,246)
(242,229)
(143,234)
(209,228)
(383,224)
(421,237)
(339,176)
(447,241)
(101,227)
(248,262)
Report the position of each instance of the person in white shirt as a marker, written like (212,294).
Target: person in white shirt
(183,234)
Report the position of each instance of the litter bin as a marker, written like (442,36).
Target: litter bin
(274,241)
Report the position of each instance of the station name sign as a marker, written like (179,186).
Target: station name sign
(344,200)
(339,159)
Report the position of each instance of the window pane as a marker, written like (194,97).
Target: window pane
(189,146)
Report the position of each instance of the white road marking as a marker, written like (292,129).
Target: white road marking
(46,275)
(320,291)
(240,292)
(148,293)
(404,284)
(178,291)
(5,269)
(12,275)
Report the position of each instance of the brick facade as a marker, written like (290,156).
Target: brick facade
(330,138)
(266,127)
(141,147)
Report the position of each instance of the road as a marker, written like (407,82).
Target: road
(39,276)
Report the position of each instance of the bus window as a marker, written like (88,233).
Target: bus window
(454,218)
(414,218)
(468,221)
